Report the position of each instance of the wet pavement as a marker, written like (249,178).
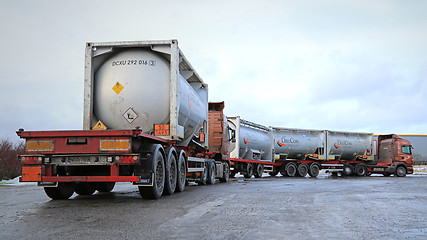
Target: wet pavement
(326,207)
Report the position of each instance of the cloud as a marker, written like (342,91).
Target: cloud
(353,65)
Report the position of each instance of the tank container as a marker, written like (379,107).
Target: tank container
(139,84)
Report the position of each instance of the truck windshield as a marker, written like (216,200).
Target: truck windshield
(406,149)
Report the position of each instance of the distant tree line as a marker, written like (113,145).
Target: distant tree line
(10,167)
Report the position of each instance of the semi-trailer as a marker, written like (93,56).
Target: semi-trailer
(147,121)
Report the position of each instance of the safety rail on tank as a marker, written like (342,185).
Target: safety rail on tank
(254,125)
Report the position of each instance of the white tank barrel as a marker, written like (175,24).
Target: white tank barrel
(349,146)
(298,143)
(252,141)
(140,84)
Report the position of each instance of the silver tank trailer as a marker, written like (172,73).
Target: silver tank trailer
(349,145)
(139,84)
(252,141)
(298,143)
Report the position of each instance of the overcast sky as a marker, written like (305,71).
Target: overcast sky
(339,65)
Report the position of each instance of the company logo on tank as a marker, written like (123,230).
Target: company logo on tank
(289,140)
(340,144)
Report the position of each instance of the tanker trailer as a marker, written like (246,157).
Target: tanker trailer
(145,122)
(361,154)
(145,85)
(293,145)
(250,147)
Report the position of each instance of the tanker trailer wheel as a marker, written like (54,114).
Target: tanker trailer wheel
(211,173)
(203,175)
(171,172)
(62,191)
(226,173)
(158,166)
(302,170)
(259,171)
(249,170)
(106,186)
(291,169)
(86,188)
(348,169)
(182,172)
(313,170)
(361,170)
(401,171)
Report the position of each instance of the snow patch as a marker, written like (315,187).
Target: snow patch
(15,182)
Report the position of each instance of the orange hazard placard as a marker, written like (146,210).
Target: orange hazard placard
(161,129)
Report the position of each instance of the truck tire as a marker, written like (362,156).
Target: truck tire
(313,170)
(86,188)
(211,173)
(401,171)
(171,172)
(203,176)
(158,166)
(283,171)
(360,170)
(62,191)
(249,170)
(106,186)
(226,173)
(348,169)
(291,169)
(259,171)
(182,172)
(302,170)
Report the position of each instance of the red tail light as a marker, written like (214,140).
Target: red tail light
(30,160)
(127,159)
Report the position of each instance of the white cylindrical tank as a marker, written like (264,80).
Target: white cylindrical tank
(298,143)
(252,141)
(132,89)
(129,93)
(349,145)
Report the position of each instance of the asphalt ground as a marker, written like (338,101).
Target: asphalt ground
(325,207)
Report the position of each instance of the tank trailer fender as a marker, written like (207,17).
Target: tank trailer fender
(146,167)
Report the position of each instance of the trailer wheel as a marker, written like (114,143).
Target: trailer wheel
(361,169)
(226,173)
(155,191)
(171,172)
(203,176)
(401,171)
(62,191)
(313,170)
(302,170)
(182,173)
(86,188)
(106,186)
(291,169)
(211,173)
(259,171)
(249,170)
(283,171)
(348,169)
(273,174)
